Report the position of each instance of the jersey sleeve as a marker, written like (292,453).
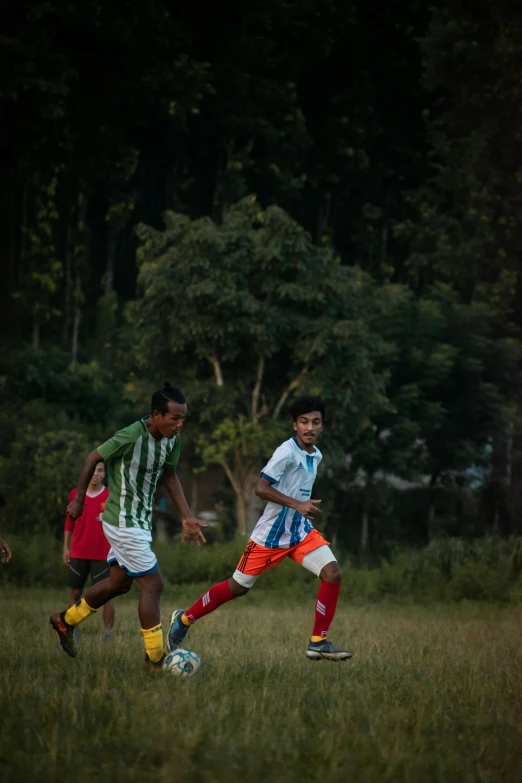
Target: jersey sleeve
(117,445)
(173,458)
(69,523)
(276,465)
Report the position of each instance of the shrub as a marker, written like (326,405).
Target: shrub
(485,570)
(479,582)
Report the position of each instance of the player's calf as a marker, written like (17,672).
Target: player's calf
(181,620)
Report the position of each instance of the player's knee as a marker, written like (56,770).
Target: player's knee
(75,596)
(124,587)
(153,583)
(332,573)
(236,589)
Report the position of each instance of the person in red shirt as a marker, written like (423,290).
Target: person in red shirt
(85,547)
(5,552)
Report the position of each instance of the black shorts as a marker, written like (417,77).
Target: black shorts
(79,570)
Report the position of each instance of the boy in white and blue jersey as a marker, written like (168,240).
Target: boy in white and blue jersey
(293,472)
(284,529)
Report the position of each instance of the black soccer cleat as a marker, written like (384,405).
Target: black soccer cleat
(150,666)
(324,650)
(65,633)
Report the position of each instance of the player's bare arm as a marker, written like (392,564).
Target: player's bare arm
(265,490)
(67,541)
(5,552)
(75,507)
(191,526)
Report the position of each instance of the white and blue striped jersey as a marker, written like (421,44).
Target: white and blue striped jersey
(292,471)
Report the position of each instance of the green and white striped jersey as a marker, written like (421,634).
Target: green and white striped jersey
(134,461)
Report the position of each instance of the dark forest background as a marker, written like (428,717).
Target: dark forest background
(254,201)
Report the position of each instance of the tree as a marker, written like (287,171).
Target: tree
(464,223)
(36,497)
(250,313)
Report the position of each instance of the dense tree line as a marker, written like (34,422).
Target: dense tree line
(264,200)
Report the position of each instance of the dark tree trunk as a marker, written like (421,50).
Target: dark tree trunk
(431,509)
(111,258)
(323,216)
(78,258)
(21,263)
(13,238)
(77,317)
(68,281)
(516,474)
(365,535)
(501,479)
(36,332)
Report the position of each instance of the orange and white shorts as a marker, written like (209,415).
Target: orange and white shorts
(313,553)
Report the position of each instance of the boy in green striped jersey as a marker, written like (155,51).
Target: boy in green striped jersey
(135,458)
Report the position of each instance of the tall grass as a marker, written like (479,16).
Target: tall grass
(431,696)
(487,569)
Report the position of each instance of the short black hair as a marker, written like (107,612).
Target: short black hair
(161,398)
(307,405)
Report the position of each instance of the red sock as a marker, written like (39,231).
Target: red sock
(325,607)
(217,595)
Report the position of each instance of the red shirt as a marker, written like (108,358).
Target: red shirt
(88,541)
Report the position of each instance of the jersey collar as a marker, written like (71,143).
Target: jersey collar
(300,449)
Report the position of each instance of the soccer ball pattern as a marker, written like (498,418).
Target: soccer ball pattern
(182,663)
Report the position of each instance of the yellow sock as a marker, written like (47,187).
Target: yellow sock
(185,620)
(78,612)
(318,638)
(153,639)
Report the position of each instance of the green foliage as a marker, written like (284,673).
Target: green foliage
(258,296)
(465,226)
(51,452)
(454,569)
(37,562)
(250,439)
(378,264)
(488,569)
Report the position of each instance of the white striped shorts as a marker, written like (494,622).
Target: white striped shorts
(130,549)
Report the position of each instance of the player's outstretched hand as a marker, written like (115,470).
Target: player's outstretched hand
(5,552)
(192,531)
(66,555)
(74,509)
(308,508)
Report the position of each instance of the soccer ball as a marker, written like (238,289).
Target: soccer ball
(182,663)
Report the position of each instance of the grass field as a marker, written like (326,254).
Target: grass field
(433,694)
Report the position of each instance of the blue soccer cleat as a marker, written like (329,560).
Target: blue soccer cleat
(177,631)
(324,650)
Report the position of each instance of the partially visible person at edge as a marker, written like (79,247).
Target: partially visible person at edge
(135,458)
(5,552)
(284,530)
(85,547)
